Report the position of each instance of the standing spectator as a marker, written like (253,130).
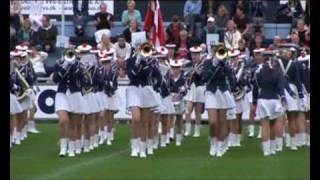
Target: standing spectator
(123,52)
(174,29)
(191,13)
(26,35)
(47,35)
(131,29)
(103,19)
(80,13)
(131,13)
(243,48)
(241,20)
(301,30)
(258,43)
(182,48)
(35,15)
(221,19)
(37,59)
(209,9)
(245,4)
(276,42)
(232,36)
(257,9)
(15,15)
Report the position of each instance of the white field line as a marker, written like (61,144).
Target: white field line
(75,166)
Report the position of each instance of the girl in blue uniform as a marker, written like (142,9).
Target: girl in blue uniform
(69,102)
(220,84)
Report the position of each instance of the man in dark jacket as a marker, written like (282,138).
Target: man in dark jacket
(47,35)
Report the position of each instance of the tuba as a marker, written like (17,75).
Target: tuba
(25,86)
(146,50)
(220,51)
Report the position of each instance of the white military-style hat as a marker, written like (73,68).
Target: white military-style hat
(195,49)
(23,54)
(22,47)
(211,19)
(176,62)
(233,52)
(84,47)
(170,45)
(15,53)
(106,58)
(161,52)
(303,56)
(259,50)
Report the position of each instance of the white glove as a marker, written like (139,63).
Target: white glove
(66,64)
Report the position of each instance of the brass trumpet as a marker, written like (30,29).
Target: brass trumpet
(146,49)
(220,51)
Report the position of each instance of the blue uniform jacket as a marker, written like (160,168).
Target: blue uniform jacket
(110,81)
(178,85)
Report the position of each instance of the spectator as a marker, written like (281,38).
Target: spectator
(103,19)
(37,59)
(80,12)
(15,15)
(258,42)
(294,39)
(191,13)
(245,4)
(182,48)
(199,35)
(35,15)
(276,42)
(26,35)
(307,13)
(133,28)
(131,13)
(106,43)
(80,37)
(211,28)
(232,36)
(174,29)
(13,38)
(47,35)
(123,52)
(241,20)
(221,19)
(289,12)
(306,42)
(257,12)
(243,48)
(301,30)
(209,9)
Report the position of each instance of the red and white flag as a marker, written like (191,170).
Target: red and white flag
(154,22)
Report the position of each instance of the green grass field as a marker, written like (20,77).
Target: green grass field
(37,159)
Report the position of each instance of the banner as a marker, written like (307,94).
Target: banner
(54,7)
(46,111)
(137,38)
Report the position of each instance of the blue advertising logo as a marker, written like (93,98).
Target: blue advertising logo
(46,101)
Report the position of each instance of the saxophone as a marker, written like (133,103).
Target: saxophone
(25,87)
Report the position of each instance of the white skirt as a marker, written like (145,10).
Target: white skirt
(93,106)
(219,100)
(27,103)
(307,102)
(113,103)
(142,97)
(293,104)
(166,106)
(242,105)
(100,100)
(231,114)
(196,94)
(157,109)
(74,103)
(269,108)
(249,97)
(14,105)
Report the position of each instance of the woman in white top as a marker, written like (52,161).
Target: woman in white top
(37,59)
(232,36)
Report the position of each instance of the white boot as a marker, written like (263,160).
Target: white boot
(105,132)
(266,148)
(187,132)
(260,132)
(142,149)
(251,130)
(101,137)
(134,147)
(237,140)
(63,146)
(213,147)
(78,146)
(279,144)
(112,134)
(160,128)
(273,147)
(287,137)
(95,141)
(307,139)
(109,139)
(91,142)
(10,141)
(230,139)
(163,141)
(86,146)
(168,138)
(219,149)
(149,146)
(71,149)
(171,133)
(32,127)
(196,131)
(178,139)
(18,138)
(156,142)
(293,145)
(303,139)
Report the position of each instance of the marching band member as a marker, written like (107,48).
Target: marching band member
(178,91)
(26,94)
(242,103)
(220,84)
(268,87)
(195,95)
(69,102)
(88,61)
(171,50)
(140,96)
(15,107)
(166,105)
(304,59)
(110,82)
(290,71)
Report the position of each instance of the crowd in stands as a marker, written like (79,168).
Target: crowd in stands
(239,24)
